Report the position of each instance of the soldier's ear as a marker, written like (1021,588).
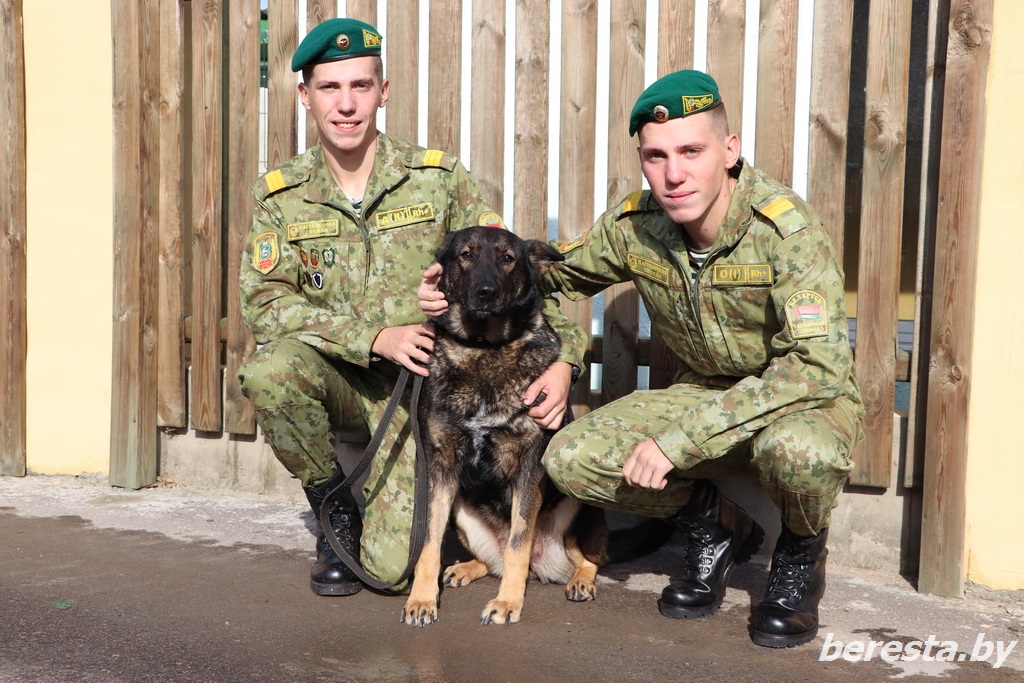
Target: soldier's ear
(542,255)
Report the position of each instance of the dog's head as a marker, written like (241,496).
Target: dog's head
(490,281)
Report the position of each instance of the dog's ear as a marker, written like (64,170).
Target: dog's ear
(542,255)
(445,252)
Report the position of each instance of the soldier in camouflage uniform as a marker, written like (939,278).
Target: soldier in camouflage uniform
(741,282)
(340,237)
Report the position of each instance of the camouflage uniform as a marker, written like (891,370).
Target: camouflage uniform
(319,280)
(766,386)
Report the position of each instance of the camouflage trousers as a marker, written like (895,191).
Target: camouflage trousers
(802,459)
(300,397)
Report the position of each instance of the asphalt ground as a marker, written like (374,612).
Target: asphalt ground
(173,584)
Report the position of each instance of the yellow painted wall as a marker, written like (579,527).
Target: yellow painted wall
(995,470)
(69,186)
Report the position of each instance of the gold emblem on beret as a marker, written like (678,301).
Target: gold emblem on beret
(661,113)
(343,42)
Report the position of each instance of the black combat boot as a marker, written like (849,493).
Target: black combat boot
(788,615)
(718,534)
(329,575)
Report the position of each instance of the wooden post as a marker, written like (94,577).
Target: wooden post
(776,89)
(317,12)
(885,125)
(578,129)
(363,10)
(207,199)
(530,161)
(444,106)
(487,124)
(401,45)
(282,112)
(956,255)
(13,298)
(243,164)
(726,25)
(621,303)
(133,433)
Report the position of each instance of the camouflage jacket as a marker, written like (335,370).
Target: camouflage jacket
(317,270)
(766,322)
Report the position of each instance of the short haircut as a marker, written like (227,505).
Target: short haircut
(378,69)
(719,120)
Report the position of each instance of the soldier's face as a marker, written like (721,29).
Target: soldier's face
(343,98)
(686,161)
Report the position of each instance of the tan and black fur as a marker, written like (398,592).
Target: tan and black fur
(483,451)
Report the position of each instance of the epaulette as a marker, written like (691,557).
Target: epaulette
(288,175)
(636,202)
(431,158)
(784,214)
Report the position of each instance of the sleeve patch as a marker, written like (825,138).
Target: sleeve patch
(575,243)
(491,219)
(807,315)
(265,253)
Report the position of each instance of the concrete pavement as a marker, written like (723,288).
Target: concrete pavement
(175,584)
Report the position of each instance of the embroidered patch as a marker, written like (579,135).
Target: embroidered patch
(648,269)
(407,215)
(314,258)
(265,253)
(574,243)
(311,229)
(370,39)
(741,274)
(274,181)
(491,219)
(807,315)
(692,103)
(329,255)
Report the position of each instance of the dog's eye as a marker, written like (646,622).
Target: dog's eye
(466,254)
(507,258)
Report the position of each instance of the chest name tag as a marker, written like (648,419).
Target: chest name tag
(311,229)
(648,269)
(407,215)
(741,274)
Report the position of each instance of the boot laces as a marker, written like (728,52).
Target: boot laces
(698,555)
(788,577)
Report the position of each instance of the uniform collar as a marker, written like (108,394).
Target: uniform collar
(389,170)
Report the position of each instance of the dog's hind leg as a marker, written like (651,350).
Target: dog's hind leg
(421,607)
(508,605)
(464,573)
(586,544)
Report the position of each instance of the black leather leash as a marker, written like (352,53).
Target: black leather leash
(419,516)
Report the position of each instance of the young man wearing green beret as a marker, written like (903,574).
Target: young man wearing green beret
(340,237)
(741,282)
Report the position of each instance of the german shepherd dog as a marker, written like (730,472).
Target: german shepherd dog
(483,451)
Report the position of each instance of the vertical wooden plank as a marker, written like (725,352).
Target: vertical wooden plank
(727,22)
(243,166)
(938,22)
(956,251)
(317,12)
(675,35)
(885,124)
(207,164)
(282,112)
(530,161)
(133,434)
(444,106)
(363,10)
(401,48)
(13,296)
(621,303)
(776,89)
(171,411)
(578,130)
(675,52)
(487,123)
(830,110)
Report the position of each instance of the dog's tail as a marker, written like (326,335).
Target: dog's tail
(634,542)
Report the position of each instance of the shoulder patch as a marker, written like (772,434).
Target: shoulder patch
(784,214)
(277,180)
(431,158)
(807,314)
(636,201)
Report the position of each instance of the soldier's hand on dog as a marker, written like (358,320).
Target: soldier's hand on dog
(432,301)
(647,466)
(409,346)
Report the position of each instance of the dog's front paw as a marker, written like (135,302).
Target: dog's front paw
(580,590)
(501,612)
(464,573)
(419,612)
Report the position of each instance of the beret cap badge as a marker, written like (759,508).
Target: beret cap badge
(660,113)
(343,42)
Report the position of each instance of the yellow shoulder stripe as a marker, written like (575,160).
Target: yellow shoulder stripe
(632,202)
(776,208)
(275,180)
(432,157)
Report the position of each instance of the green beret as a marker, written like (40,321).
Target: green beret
(336,39)
(678,94)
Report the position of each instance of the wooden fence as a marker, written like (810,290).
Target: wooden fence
(186,91)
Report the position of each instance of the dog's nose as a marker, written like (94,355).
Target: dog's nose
(486,291)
